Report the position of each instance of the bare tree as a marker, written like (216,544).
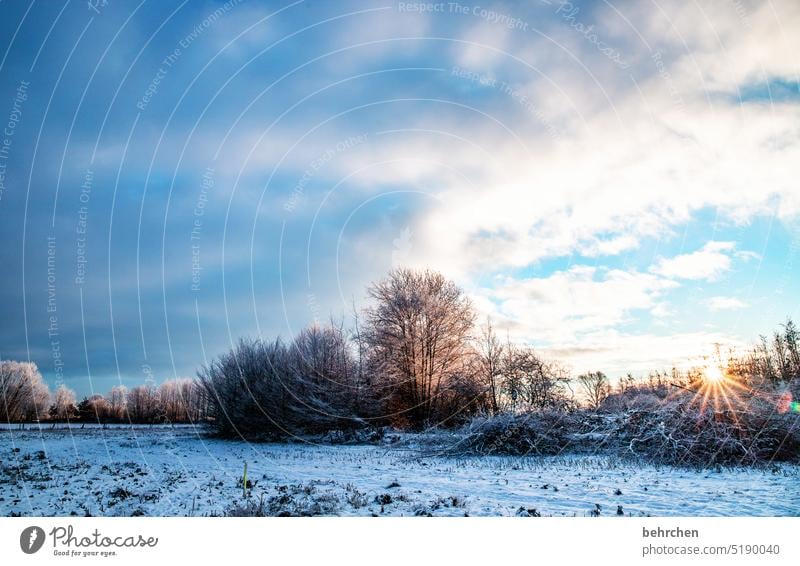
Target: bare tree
(321,354)
(323,369)
(248,389)
(63,407)
(595,387)
(143,404)
(792,338)
(366,393)
(181,400)
(491,353)
(533,382)
(512,384)
(24,395)
(419,333)
(117,400)
(544,384)
(772,362)
(95,408)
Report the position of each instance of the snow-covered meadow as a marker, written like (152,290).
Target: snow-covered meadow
(181,471)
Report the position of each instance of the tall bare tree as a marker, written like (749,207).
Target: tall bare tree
(365,395)
(419,332)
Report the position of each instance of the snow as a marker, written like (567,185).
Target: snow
(180,471)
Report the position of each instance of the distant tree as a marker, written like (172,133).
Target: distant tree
(197,404)
(595,387)
(792,339)
(94,409)
(86,411)
(419,335)
(143,404)
(182,400)
(63,407)
(533,382)
(173,403)
(118,402)
(771,362)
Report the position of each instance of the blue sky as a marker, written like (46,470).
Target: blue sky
(613,184)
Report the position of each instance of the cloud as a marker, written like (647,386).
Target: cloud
(566,304)
(632,158)
(707,263)
(725,303)
(610,246)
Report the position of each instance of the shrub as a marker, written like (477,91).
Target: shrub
(679,430)
(682,431)
(269,389)
(538,433)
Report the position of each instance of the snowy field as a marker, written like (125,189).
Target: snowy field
(180,471)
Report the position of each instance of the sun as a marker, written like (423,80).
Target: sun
(713,375)
(718,390)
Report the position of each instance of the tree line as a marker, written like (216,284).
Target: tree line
(25,397)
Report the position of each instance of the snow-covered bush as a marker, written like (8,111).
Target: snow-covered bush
(535,433)
(685,430)
(271,389)
(752,428)
(644,400)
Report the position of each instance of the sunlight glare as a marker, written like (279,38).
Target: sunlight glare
(713,375)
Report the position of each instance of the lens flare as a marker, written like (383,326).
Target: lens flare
(785,403)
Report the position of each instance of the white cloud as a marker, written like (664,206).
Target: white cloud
(707,263)
(725,303)
(631,160)
(609,246)
(566,304)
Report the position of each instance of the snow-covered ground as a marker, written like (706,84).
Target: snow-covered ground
(180,471)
